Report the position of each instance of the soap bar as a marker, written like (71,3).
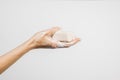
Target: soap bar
(63,36)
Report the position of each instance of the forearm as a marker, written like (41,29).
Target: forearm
(11,57)
(40,39)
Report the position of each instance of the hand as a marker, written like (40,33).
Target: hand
(44,39)
(39,40)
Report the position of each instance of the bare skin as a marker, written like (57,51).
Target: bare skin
(42,39)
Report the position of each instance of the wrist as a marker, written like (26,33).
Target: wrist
(30,44)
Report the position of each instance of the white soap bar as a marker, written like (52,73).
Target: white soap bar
(63,36)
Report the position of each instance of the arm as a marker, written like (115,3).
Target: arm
(11,57)
(40,39)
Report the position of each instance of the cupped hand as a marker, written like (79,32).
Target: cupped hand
(43,39)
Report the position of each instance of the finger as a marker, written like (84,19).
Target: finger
(48,32)
(62,44)
(52,42)
(73,42)
(51,32)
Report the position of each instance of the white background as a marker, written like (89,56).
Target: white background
(96,57)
